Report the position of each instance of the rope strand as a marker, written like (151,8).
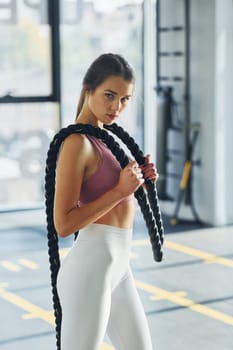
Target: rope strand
(150,185)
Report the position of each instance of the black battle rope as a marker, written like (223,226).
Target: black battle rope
(150,185)
(151,212)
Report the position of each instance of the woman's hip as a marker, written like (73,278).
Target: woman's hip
(99,250)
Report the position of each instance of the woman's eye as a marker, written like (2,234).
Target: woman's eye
(109,96)
(125,99)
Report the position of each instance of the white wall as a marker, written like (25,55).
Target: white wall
(212,105)
(149,78)
(202,68)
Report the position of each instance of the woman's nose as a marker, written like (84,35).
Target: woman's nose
(116,105)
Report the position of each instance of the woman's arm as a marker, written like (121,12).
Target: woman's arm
(73,164)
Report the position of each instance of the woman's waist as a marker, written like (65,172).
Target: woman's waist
(121,216)
(103,232)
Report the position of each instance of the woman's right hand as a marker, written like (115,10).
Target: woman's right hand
(131,178)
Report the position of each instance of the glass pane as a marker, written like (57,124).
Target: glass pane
(90,28)
(24,48)
(26,131)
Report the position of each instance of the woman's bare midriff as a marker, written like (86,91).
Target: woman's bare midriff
(120,216)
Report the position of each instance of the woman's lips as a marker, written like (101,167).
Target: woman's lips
(112,116)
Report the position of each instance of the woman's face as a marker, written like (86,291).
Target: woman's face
(109,99)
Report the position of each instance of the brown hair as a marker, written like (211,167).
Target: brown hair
(104,66)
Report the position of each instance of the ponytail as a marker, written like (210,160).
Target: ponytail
(80,102)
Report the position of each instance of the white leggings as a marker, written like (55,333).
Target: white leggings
(98,295)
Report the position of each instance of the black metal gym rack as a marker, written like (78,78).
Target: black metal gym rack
(167,84)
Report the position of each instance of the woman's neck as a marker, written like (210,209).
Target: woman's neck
(87,117)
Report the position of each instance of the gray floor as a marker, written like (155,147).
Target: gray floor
(188,297)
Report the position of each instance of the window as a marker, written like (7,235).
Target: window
(26,54)
(25,48)
(87,29)
(90,28)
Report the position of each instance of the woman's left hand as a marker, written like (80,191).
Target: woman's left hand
(149,170)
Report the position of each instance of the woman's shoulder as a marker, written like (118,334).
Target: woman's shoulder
(76,146)
(76,141)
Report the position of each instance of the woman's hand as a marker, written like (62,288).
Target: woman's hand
(131,178)
(148,169)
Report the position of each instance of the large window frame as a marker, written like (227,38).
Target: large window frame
(55,96)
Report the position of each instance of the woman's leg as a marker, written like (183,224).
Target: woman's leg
(85,296)
(127,327)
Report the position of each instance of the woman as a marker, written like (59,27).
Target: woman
(95,196)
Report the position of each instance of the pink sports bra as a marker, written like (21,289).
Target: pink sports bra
(105,177)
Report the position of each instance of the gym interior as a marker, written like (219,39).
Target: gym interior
(181,113)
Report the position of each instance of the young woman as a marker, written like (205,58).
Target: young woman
(95,196)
